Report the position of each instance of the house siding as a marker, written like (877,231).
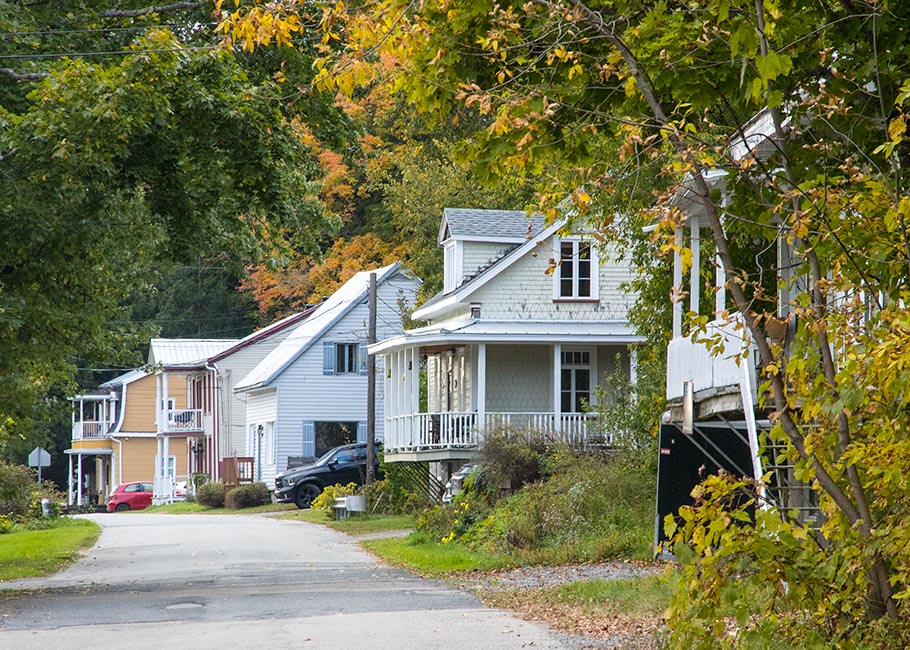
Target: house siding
(139,397)
(139,457)
(262,407)
(458,314)
(479,255)
(525,291)
(519,378)
(606,361)
(304,393)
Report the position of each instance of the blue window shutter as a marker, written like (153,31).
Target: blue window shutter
(363,358)
(328,358)
(362,431)
(309,439)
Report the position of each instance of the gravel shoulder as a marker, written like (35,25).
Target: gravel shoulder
(528,593)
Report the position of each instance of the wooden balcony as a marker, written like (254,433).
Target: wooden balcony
(91,430)
(177,421)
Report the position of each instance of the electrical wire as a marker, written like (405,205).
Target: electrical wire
(58,55)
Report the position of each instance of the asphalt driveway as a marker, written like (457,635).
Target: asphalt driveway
(230,581)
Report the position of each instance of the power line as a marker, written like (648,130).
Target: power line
(102,30)
(58,55)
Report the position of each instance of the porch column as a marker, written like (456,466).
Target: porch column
(387,378)
(677,287)
(165,457)
(159,395)
(481,386)
(165,402)
(633,365)
(557,386)
(69,482)
(720,296)
(415,381)
(399,392)
(407,385)
(79,481)
(695,271)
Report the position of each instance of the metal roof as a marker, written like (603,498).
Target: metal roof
(309,331)
(514,331)
(184,352)
(484,225)
(265,332)
(431,308)
(125,378)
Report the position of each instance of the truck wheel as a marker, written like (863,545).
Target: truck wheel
(305,495)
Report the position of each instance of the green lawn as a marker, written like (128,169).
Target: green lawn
(190,507)
(41,552)
(645,596)
(354,525)
(431,558)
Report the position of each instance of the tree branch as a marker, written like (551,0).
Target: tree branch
(135,13)
(24,76)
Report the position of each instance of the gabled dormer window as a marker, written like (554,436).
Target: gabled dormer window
(452,265)
(576,278)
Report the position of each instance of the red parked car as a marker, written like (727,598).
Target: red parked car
(130,496)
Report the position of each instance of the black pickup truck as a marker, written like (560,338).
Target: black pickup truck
(341,465)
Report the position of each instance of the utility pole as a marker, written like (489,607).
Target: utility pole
(371,384)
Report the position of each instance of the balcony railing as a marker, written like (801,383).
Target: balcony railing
(91,430)
(453,430)
(181,420)
(691,361)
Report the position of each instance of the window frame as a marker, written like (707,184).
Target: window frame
(572,367)
(576,261)
(330,353)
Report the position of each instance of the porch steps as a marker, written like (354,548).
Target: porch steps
(786,492)
(419,477)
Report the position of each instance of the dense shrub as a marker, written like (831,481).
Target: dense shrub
(17,484)
(590,508)
(248,496)
(211,494)
(326,500)
(509,461)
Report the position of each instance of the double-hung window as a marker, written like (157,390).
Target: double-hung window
(577,270)
(343,358)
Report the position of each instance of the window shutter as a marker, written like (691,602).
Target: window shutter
(362,431)
(364,355)
(328,358)
(309,439)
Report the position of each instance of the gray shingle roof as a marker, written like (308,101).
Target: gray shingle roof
(484,224)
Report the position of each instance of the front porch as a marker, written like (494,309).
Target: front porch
(453,435)
(441,397)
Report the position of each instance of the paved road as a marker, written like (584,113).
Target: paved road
(232,581)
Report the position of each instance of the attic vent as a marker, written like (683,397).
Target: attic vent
(475,310)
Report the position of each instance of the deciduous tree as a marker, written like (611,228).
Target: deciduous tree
(607,93)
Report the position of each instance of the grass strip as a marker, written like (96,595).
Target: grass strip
(431,558)
(31,553)
(354,524)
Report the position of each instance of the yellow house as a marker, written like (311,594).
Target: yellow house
(114,437)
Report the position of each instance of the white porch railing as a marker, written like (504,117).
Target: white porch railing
(90,430)
(177,420)
(437,431)
(690,361)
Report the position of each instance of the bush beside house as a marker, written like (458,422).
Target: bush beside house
(21,497)
(247,496)
(211,494)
